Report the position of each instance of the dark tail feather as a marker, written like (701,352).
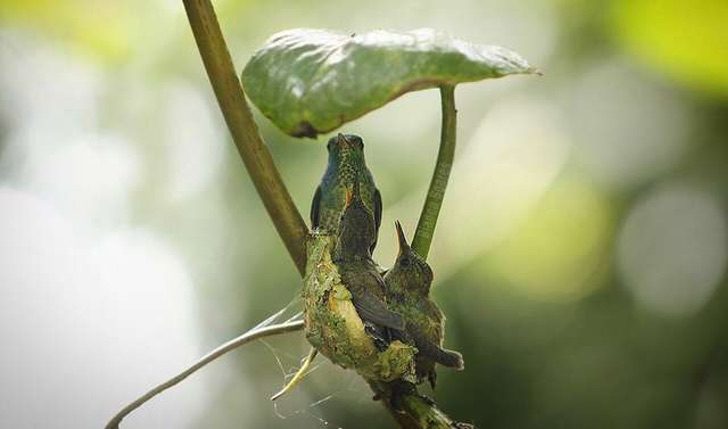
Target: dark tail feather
(450,359)
(444,357)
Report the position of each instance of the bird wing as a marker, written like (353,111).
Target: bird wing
(315,208)
(371,307)
(377,209)
(375,310)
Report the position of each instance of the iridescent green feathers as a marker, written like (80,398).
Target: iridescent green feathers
(346,165)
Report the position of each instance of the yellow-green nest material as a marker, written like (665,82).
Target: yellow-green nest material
(333,326)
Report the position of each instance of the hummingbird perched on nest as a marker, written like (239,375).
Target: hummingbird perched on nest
(408,287)
(333,201)
(346,165)
(356,232)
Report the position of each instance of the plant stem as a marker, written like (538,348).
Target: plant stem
(298,376)
(252,150)
(438,184)
(247,337)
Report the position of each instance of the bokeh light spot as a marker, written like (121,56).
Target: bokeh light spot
(687,41)
(556,254)
(515,154)
(627,130)
(672,249)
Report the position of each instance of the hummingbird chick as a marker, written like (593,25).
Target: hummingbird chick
(345,166)
(359,273)
(408,288)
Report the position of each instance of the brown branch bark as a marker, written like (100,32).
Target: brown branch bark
(255,155)
(414,411)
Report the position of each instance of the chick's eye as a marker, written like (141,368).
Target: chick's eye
(405,262)
(328,146)
(360,143)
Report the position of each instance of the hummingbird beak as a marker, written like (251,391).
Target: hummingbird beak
(342,140)
(403,245)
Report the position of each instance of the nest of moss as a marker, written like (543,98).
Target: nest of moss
(334,328)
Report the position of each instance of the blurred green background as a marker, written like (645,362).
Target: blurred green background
(580,256)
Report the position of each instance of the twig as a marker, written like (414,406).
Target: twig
(298,376)
(256,157)
(247,337)
(438,184)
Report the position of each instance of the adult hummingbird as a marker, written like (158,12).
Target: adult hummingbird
(359,273)
(408,288)
(345,166)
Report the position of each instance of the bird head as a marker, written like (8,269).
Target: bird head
(410,269)
(345,148)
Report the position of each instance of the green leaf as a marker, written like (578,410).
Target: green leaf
(311,81)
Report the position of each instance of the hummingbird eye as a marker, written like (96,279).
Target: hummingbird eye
(405,262)
(359,143)
(329,145)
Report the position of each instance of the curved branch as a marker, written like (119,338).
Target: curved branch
(247,337)
(438,184)
(252,150)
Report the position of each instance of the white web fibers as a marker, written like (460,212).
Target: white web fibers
(334,382)
(289,313)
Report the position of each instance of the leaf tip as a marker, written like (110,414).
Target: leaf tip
(535,70)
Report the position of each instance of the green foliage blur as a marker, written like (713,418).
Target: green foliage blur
(580,256)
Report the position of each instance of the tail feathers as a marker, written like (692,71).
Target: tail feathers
(444,357)
(450,359)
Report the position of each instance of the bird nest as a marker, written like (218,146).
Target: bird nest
(334,328)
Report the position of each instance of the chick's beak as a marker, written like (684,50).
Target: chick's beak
(403,245)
